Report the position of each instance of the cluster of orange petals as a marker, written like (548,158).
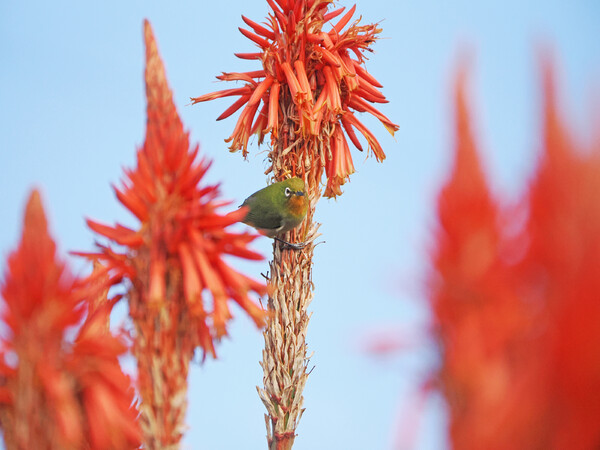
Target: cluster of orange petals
(516,300)
(56,393)
(320,72)
(181,236)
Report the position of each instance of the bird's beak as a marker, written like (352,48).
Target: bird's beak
(299,193)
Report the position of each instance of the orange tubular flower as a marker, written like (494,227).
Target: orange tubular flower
(182,236)
(321,73)
(54,393)
(181,287)
(518,315)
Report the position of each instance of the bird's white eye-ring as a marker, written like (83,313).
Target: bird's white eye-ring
(288,192)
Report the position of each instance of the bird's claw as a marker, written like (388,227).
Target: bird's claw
(286,244)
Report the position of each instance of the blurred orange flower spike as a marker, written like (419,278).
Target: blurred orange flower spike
(46,396)
(181,235)
(515,302)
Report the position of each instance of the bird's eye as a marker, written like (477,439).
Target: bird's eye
(288,192)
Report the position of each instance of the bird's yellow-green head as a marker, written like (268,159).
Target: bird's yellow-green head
(278,208)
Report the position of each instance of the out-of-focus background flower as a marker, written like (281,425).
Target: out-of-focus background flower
(73,112)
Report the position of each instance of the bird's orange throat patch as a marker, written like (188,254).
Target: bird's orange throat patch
(298,205)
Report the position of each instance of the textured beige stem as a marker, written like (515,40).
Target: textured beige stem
(285,354)
(163,359)
(290,288)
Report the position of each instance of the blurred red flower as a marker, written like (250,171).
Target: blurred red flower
(180,286)
(177,253)
(517,316)
(55,393)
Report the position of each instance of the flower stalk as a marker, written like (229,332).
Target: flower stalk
(180,287)
(306,96)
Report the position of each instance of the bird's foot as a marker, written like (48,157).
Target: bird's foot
(286,244)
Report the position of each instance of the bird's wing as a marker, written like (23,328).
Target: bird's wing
(262,215)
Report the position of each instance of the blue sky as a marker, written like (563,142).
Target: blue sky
(72,113)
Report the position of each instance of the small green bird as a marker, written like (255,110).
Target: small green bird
(277,208)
